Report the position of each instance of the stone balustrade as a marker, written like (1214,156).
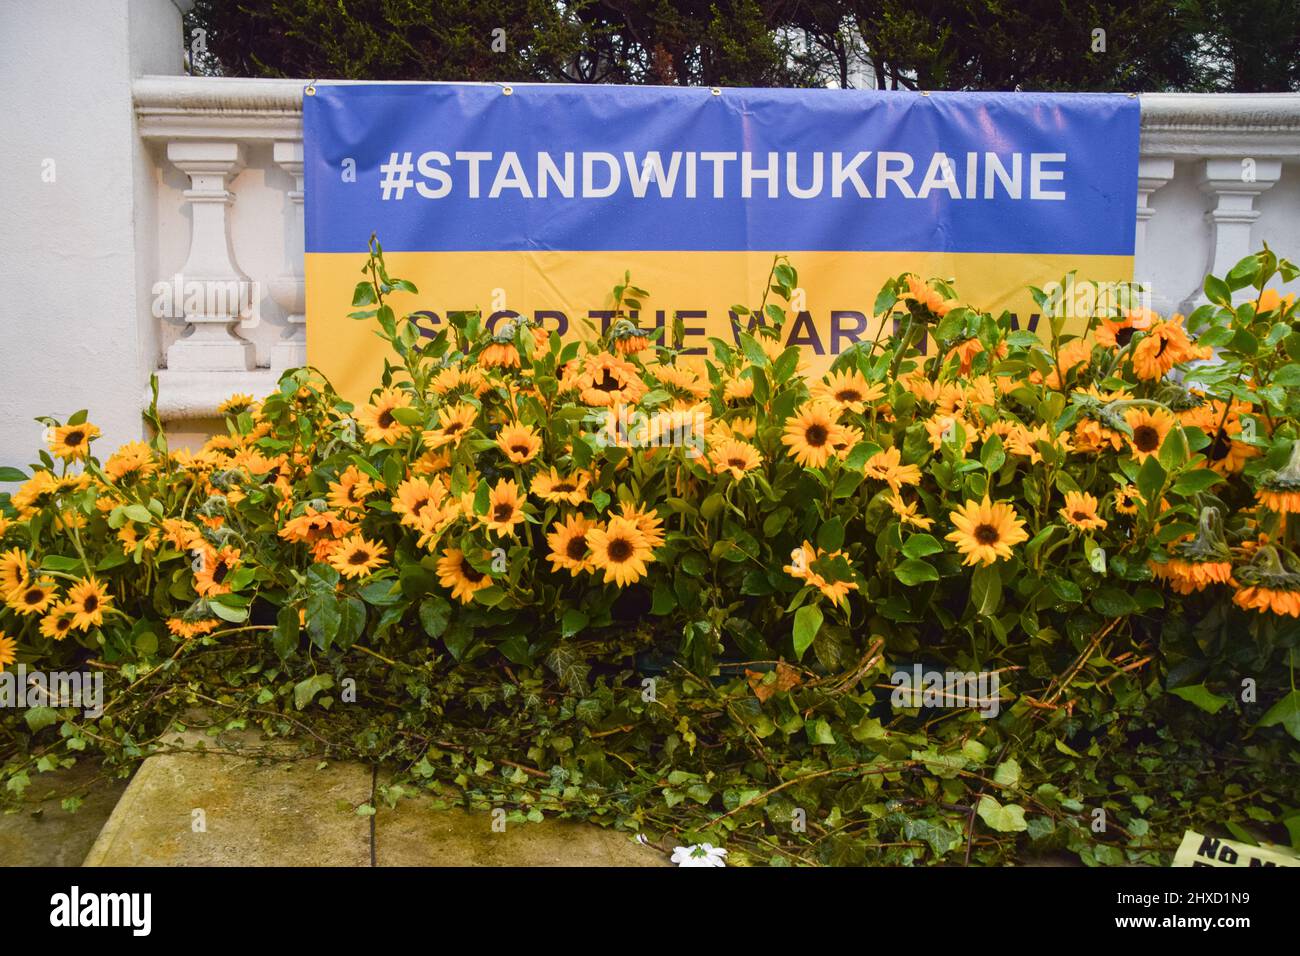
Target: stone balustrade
(1218,175)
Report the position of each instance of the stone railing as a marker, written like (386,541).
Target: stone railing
(1218,175)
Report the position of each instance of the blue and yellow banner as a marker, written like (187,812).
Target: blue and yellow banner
(535,200)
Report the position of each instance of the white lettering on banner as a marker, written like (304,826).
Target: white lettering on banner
(656,174)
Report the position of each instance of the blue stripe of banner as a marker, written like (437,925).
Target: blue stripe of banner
(1082,147)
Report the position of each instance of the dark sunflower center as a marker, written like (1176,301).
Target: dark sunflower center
(74,439)
(576,549)
(1080,516)
(1220,447)
(564,487)
(986,534)
(520,449)
(1146,438)
(219,574)
(34,596)
(469,574)
(620,549)
(736,462)
(608,383)
(358,556)
(385,419)
(848,395)
(452,428)
(815,435)
(420,505)
(91,604)
(1123,337)
(503,512)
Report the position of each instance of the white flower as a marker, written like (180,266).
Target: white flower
(702,854)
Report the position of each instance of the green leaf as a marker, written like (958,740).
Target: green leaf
(1285,712)
(1216,290)
(914,571)
(407,415)
(573,622)
(304,692)
(807,622)
(920,545)
(12,474)
(1007,773)
(1004,819)
(986,590)
(830,537)
(38,718)
(435,612)
(1201,696)
(1112,602)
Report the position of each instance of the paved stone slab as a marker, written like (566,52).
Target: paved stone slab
(418,832)
(255,813)
(42,833)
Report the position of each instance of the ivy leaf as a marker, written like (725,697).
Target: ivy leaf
(304,692)
(1285,712)
(569,666)
(1004,819)
(435,612)
(1201,696)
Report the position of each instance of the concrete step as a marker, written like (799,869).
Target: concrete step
(258,805)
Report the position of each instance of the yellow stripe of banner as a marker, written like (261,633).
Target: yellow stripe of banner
(700,285)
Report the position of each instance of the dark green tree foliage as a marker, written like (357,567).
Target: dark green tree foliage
(1133,45)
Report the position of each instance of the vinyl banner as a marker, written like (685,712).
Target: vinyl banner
(536,200)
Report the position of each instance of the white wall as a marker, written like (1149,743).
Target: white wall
(72,251)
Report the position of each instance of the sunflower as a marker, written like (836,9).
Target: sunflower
(607,380)
(1127,500)
(378,420)
(4,526)
(1081,511)
(1271,300)
(742,428)
(920,292)
(847,390)
(1186,577)
(737,388)
(802,562)
(14,571)
(132,460)
(734,458)
(355,557)
(236,404)
(179,627)
(1150,427)
(811,433)
(454,423)
(908,514)
(505,508)
(571,490)
(1024,441)
(1264,599)
(499,355)
(8,651)
(941,428)
(215,566)
(520,443)
(620,550)
(313,527)
(34,597)
(1165,345)
(419,501)
(456,379)
(1073,356)
(986,531)
(647,520)
(351,490)
(88,600)
(679,378)
(432,462)
(887,466)
(71,442)
(35,494)
(455,572)
(58,623)
(568,543)
(627,339)
(1117,333)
